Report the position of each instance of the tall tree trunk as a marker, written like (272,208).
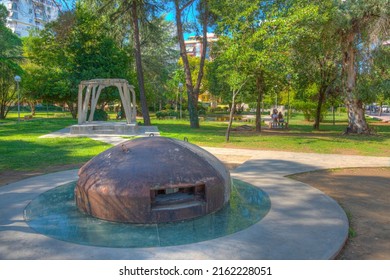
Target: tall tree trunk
(260,90)
(3,111)
(138,62)
(192,110)
(192,91)
(204,16)
(321,99)
(356,113)
(32,106)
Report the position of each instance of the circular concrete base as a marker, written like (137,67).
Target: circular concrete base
(55,214)
(303,223)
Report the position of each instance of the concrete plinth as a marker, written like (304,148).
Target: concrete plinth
(96,127)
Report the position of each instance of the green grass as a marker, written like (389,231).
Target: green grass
(300,138)
(22,149)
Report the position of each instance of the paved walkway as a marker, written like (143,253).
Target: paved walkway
(303,223)
(385,117)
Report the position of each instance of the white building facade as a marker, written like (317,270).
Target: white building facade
(25,15)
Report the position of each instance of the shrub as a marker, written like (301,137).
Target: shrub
(309,108)
(201,110)
(99,115)
(166,113)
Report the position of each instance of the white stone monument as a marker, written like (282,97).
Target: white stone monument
(88,96)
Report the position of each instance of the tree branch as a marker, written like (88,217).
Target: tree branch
(185,6)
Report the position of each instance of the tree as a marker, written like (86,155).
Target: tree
(192,89)
(360,23)
(374,83)
(260,26)
(135,14)
(10,56)
(231,68)
(74,48)
(159,55)
(315,53)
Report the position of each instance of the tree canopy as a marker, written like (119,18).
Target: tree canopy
(301,53)
(10,58)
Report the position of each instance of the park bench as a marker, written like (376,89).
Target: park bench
(276,125)
(28,117)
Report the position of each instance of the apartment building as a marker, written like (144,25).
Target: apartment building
(25,15)
(194,45)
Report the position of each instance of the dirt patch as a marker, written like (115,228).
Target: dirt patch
(10,176)
(232,161)
(364,195)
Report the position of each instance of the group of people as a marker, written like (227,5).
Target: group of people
(277,118)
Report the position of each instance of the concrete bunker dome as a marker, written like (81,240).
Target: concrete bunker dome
(152,180)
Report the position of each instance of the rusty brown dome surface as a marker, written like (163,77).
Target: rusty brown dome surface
(152,180)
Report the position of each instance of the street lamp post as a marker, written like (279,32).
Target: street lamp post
(181,100)
(276,96)
(288,98)
(17,80)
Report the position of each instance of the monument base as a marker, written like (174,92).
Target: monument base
(99,127)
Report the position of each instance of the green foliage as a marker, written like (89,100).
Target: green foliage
(307,108)
(166,113)
(374,82)
(99,115)
(10,55)
(76,47)
(3,14)
(201,110)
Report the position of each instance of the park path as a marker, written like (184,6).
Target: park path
(272,162)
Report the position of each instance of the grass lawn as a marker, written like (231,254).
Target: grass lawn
(21,148)
(299,138)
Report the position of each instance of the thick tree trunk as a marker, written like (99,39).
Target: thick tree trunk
(356,117)
(138,62)
(3,111)
(356,113)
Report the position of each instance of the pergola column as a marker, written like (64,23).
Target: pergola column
(92,94)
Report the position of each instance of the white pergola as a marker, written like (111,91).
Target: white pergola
(89,92)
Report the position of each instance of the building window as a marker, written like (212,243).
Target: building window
(14,6)
(15,15)
(30,11)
